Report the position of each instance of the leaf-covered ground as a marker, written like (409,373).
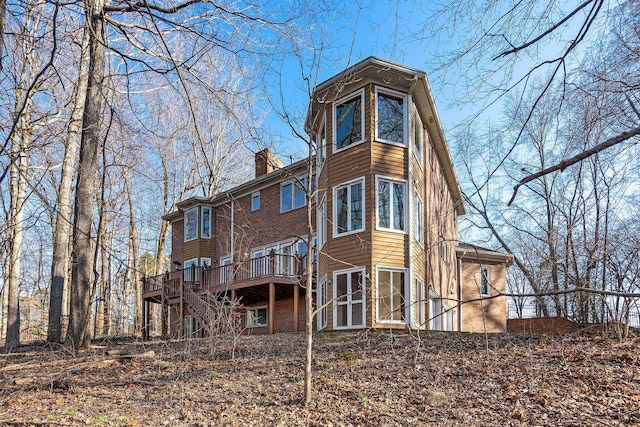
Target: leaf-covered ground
(367,378)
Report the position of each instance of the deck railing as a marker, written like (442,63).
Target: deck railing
(215,278)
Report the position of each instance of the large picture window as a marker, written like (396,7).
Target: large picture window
(390,295)
(390,117)
(349,304)
(293,195)
(391,204)
(191,224)
(349,121)
(349,207)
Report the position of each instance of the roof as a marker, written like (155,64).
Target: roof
(238,191)
(473,252)
(413,81)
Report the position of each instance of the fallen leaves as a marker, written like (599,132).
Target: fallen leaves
(360,379)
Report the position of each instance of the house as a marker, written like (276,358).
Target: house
(385,246)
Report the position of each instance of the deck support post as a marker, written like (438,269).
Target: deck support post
(145,320)
(272,306)
(181,331)
(296,302)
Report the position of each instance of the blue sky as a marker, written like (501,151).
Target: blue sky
(384,28)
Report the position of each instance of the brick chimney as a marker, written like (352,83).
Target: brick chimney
(267,162)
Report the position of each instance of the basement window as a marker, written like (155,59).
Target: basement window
(256,317)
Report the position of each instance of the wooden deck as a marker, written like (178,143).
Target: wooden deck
(256,277)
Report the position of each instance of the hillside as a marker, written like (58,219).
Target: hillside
(367,378)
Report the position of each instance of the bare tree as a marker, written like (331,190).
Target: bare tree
(62,228)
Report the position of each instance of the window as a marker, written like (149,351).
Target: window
(293,195)
(349,208)
(390,202)
(191,224)
(322,222)
(418,304)
(448,317)
(349,303)
(418,137)
(441,179)
(348,121)
(485,281)
(390,115)
(321,301)
(256,317)
(435,312)
(205,262)
(191,270)
(188,326)
(418,219)
(391,294)
(226,269)
(205,232)
(321,145)
(443,249)
(259,263)
(255,201)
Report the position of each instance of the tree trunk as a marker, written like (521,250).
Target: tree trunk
(62,230)
(82,279)
(133,242)
(17,188)
(3,13)
(308,295)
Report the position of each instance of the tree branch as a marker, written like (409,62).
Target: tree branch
(575,159)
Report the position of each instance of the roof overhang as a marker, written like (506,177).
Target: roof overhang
(477,254)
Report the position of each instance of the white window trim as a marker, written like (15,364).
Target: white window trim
(322,315)
(186,268)
(444,249)
(484,268)
(358,93)
(435,322)
(405,126)
(294,182)
(202,235)
(335,208)
(420,213)
(321,220)
(349,300)
(204,260)
(419,303)
(225,274)
(415,115)
(406,205)
(254,194)
(321,148)
(186,214)
(246,319)
(404,297)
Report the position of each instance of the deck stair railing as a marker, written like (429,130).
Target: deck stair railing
(199,307)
